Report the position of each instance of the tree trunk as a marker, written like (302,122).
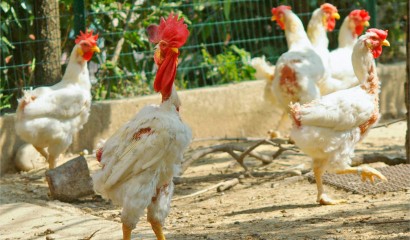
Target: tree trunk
(407,88)
(48,50)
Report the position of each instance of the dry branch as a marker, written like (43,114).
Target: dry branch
(228,184)
(372,158)
(386,124)
(233,148)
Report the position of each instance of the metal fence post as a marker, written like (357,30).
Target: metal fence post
(79,16)
(371,6)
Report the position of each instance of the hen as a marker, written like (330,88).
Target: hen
(341,58)
(299,71)
(48,117)
(327,129)
(323,20)
(141,158)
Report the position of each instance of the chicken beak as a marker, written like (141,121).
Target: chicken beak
(385,43)
(80,51)
(273,18)
(366,24)
(175,50)
(336,15)
(95,49)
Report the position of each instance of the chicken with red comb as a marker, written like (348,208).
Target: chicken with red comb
(298,72)
(328,129)
(49,116)
(141,158)
(323,20)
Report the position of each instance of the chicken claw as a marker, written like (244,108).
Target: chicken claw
(323,199)
(367,172)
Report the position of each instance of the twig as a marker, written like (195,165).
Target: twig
(243,139)
(202,191)
(231,149)
(371,158)
(389,123)
(120,43)
(92,235)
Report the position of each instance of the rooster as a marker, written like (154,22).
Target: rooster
(48,117)
(299,71)
(141,158)
(341,58)
(327,129)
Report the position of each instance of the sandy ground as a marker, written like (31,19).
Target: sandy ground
(273,205)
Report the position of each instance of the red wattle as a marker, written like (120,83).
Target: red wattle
(166,75)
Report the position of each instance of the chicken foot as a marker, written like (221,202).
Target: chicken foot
(280,127)
(322,198)
(365,172)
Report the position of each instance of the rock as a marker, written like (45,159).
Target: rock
(70,181)
(27,158)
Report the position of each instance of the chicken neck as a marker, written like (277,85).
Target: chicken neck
(316,31)
(365,68)
(296,36)
(76,71)
(346,37)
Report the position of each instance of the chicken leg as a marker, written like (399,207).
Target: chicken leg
(322,198)
(126,232)
(42,151)
(157,228)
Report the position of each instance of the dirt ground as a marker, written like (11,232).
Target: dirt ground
(272,205)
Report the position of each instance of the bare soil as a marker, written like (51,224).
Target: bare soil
(274,204)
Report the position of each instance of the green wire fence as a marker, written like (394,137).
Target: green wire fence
(224,35)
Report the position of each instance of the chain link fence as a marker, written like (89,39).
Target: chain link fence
(225,34)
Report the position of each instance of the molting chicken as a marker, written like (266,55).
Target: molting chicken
(327,129)
(141,158)
(299,71)
(48,117)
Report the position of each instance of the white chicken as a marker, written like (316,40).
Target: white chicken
(341,58)
(327,129)
(141,158)
(323,20)
(298,72)
(48,117)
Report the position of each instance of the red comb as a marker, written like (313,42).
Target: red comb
(171,30)
(280,8)
(360,15)
(382,34)
(87,36)
(327,7)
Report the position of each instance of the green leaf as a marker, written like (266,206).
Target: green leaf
(5,6)
(15,17)
(33,64)
(6,41)
(227,9)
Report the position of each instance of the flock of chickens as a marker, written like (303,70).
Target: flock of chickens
(330,97)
